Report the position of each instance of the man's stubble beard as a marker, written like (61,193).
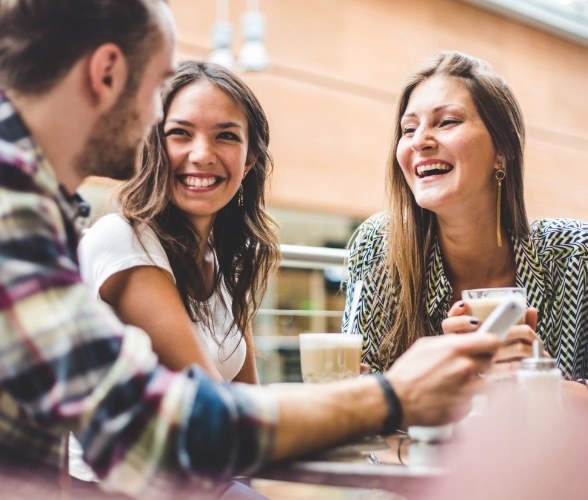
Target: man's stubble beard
(111,149)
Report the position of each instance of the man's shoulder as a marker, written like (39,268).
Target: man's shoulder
(17,156)
(16,168)
(23,199)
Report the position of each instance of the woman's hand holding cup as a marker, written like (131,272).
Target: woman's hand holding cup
(518,342)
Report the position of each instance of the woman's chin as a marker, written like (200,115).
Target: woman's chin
(429,204)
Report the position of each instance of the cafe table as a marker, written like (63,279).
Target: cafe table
(370,463)
(375,463)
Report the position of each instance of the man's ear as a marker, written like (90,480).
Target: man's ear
(107,72)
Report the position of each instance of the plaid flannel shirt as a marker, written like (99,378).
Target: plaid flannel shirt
(66,362)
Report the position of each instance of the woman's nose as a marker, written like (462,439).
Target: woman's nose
(422,139)
(202,152)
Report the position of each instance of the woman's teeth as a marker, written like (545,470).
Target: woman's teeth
(198,182)
(433,169)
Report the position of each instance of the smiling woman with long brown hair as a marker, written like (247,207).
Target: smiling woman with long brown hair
(189,256)
(456,220)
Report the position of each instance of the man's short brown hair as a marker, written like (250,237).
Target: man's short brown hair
(41,40)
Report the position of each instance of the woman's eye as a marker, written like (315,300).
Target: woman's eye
(175,131)
(408,130)
(448,121)
(231,136)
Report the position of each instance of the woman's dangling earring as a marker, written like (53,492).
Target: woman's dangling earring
(240,196)
(500,174)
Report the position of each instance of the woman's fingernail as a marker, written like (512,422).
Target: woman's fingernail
(474,321)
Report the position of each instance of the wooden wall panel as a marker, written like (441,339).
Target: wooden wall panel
(337,65)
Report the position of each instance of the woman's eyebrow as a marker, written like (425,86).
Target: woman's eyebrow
(436,109)
(179,121)
(228,125)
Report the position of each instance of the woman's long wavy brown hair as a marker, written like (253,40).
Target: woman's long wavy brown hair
(243,237)
(412,229)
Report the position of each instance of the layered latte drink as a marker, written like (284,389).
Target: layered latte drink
(325,357)
(483,301)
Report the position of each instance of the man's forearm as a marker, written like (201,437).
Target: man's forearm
(314,416)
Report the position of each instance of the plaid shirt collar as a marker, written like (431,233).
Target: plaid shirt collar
(19,148)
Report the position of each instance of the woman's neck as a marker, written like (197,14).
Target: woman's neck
(472,257)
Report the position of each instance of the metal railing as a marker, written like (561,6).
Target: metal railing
(312,257)
(307,257)
(279,348)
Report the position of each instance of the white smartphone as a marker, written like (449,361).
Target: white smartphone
(505,315)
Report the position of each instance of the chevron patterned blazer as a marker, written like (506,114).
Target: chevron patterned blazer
(552,264)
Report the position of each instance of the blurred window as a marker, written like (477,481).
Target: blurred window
(566,18)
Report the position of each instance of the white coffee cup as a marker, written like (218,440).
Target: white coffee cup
(325,357)
(483,301)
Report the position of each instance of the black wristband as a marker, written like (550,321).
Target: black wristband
(393,420)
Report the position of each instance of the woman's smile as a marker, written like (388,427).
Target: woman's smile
(199,182)
(434,168)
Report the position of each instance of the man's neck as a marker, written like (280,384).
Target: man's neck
(58,124)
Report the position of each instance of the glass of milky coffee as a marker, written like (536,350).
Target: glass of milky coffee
(483,301)
(326,357)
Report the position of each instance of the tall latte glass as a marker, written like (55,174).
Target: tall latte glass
(483,301)
(326,357)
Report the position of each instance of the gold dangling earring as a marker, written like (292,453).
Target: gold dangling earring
(500,174)
(240,196)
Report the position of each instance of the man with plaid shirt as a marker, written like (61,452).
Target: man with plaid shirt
(79,87)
